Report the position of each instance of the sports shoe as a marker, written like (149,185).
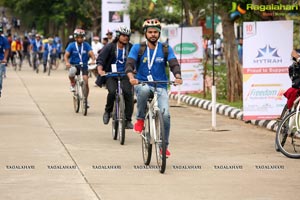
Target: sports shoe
(129,125)
(168,153)
(106,117)
(138,126)
(72,88)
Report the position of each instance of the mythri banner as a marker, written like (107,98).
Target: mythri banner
(189,52)
(267,50)
(114,15)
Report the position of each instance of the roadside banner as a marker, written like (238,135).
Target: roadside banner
(113,15)
(191,57)
(267,50)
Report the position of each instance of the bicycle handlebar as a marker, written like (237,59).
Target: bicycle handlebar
(157,82)
(115,73)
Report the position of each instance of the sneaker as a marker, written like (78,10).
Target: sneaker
(168,153)
(138,126)
(72,88)
(106,117)
(129,125)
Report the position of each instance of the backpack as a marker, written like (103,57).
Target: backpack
(142,49)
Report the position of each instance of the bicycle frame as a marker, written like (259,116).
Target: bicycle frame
(152,107)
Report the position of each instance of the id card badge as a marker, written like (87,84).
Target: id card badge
(149,77)
(113,68)
(80,63)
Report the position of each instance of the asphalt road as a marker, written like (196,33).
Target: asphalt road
(49,152)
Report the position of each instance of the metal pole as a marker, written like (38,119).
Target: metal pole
(213,89)
(180,57)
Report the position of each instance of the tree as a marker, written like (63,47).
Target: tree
(56,16)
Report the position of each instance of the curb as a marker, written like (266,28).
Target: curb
(222,109)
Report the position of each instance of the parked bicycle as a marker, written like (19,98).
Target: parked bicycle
(153,132)
(80,93)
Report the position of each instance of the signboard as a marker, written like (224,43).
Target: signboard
(189,53)
(113,15)
(266,56)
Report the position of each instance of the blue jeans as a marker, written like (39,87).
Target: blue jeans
(142,93)
(2,71)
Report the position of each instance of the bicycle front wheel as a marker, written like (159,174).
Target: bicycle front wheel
(288,137)
(285,111)
(84,105)
(115,123)
(121,120)
(146,142)
(49,69)
(160,142)
(76,99)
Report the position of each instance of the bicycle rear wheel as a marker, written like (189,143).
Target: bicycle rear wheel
(146,144)
(84,105)
(121,120)
(160,142)
(115,123)
(287,138)
(76,98)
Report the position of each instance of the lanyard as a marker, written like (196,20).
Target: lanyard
(79,53)
(123,56)
(153,56)
(37,43)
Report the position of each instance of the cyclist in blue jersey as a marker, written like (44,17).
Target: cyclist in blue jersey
(77,53)
(36,47)
(4,50)
(151,66)
(112,58)
(49,48)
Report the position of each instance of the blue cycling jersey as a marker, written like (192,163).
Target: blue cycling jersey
(76,52)
(3,46)
(158,69)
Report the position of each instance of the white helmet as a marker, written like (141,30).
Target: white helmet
(124,30)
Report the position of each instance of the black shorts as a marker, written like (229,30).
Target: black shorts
(84,70)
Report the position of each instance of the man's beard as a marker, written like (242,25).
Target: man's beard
(151,41)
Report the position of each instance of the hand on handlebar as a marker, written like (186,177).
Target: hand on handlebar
(133,81)
(101,72)
(68,65)
(178,81)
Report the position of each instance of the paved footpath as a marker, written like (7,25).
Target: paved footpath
(49,152)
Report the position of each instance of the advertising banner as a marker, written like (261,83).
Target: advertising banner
(113,15)
(191,57)
(267,48)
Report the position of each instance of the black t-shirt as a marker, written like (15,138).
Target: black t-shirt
(26,43)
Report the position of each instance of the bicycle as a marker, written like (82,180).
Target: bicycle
(36,61)
(80,93)
(17,62)
(51,62)
(288,133)
(153,131)
(285,111)
(118,113)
